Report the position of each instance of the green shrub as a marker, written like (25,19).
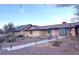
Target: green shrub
(56,43)
(10,37)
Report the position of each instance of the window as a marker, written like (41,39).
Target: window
(62,31)
(49,31)
(30,32)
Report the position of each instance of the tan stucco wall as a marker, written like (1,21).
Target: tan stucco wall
(73,32)
(19,33)
(34,33)
(54,32)
(42,32)
(46,33)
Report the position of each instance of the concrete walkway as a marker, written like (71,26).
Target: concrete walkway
(26,45)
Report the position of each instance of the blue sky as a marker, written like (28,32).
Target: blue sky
(37,14)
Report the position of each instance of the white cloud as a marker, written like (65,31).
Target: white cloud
(22,11)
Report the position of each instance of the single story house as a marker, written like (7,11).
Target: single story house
(49,30)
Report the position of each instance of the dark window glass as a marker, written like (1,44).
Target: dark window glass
(49,31)
(30,32)
(62,31)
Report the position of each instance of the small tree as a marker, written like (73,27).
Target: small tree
(9,32)
(5,29)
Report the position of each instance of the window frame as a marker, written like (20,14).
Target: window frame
(62,31)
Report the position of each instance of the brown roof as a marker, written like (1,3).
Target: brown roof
(35,27)
(67,25)
(19,28)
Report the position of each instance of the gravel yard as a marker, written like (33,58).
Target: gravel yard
(68,47)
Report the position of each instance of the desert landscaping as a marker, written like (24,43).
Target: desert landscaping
(67,47)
